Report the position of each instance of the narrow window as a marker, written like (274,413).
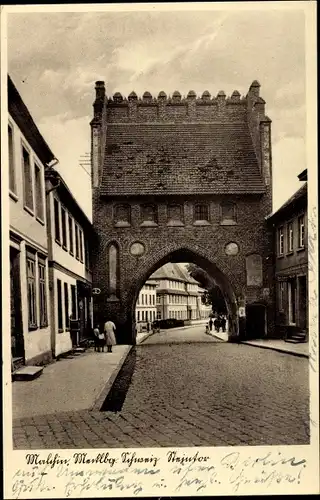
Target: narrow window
(64,228)
(74,302)
(280,241)
(12,173)
(27,179)
(56,220)
(60,306)
(70,234)
(42,293)
(228,213)
(113,269)
(122,215)
(39,194)
(77,241)
(290,237)
(81,244)
(149,215)
(138,315)
(175,215)
(201,212)
(31,281)
(301,231)
(66,305)
(86,254)
(281,296)
(292,301)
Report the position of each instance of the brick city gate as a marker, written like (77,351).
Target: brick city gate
(181,179)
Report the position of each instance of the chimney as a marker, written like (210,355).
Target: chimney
(100,91)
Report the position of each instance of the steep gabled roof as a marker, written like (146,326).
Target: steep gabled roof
(21,115)
(173,271)
(181,158)
(300,196)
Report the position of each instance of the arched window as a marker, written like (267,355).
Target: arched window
(201,214)
(175,215)
(149,215)
(122,215)
(228,213)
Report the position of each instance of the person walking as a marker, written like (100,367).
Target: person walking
(210,324)
(223,323)
(109,331)
(99,340)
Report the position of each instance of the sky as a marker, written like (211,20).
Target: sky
(55,58)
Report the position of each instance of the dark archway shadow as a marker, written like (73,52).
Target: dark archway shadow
(190,256)
(118,392)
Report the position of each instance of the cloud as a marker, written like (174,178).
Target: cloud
(149,50)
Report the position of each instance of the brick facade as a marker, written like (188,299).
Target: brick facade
(151,158)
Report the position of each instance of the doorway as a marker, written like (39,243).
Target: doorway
(17,344)
(255,321)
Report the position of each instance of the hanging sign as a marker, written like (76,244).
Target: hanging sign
(96,291)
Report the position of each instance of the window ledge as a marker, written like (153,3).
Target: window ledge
(13,195)
(300,249)
(32,328)
(44,326)
(201,223)
(148,224)
(228,223)
(121,223)
(65,248)
(71,253)
(289,253)
(29,210)
(280,256)
(81,261)
(78,258)
(175,223)
(58,242)
(60,330)
(41,221)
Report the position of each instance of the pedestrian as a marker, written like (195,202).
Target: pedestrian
(223,322)
(210,324)
(99,340)
(208,329)
(109,331)
(216,324)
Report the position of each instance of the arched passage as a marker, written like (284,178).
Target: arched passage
(221,274)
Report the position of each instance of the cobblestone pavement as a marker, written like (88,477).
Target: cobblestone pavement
(190,394)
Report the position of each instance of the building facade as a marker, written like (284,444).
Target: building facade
(183,180)
(289,225)
(178,294)
(69,236)
(146,307)
(28,158)
(50,263)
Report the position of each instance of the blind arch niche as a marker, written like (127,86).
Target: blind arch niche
(113,271)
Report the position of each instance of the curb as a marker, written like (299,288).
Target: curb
(148,334)
(278,349)
(103,394)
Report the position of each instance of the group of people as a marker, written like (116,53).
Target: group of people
(104,338)
(218,322)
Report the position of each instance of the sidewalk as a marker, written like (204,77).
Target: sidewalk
(274,344)
(70,384)
(281,346)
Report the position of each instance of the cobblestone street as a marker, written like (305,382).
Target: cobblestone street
(189,389)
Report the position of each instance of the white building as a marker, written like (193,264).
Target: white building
(70,278)
(177,293)
(28,155)
(146,307)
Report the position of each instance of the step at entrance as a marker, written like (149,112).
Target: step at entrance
(27,373)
